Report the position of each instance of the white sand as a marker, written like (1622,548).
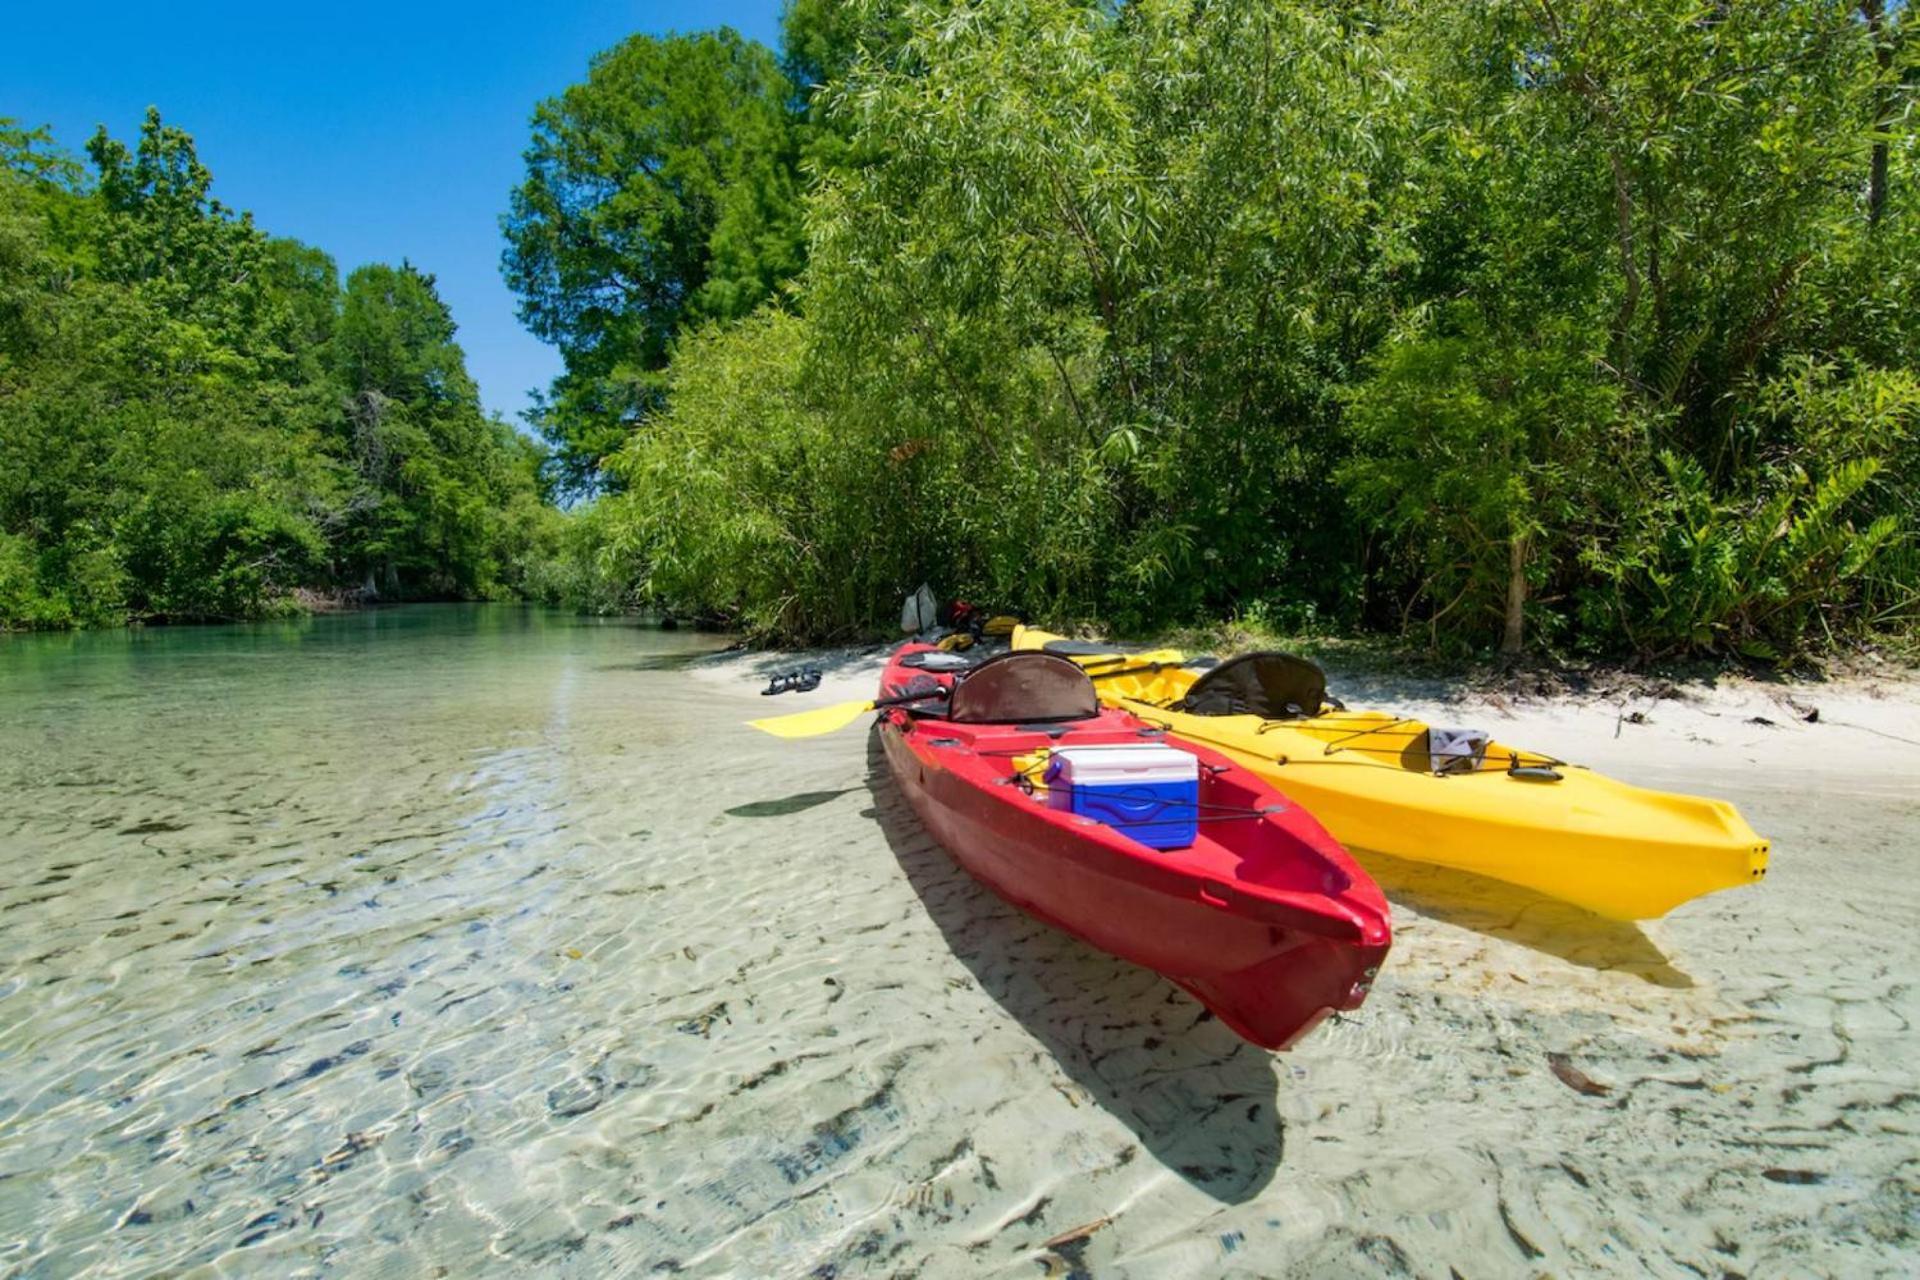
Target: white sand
(1754,1095)
(568,972)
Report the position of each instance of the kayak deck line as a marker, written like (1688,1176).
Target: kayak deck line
(1516,759)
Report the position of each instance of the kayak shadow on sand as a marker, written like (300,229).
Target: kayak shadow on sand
(1199,1098)
(1522,916)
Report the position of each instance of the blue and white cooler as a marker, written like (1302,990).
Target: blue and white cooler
(1149,791)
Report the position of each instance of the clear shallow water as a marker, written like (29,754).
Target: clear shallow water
(488,939)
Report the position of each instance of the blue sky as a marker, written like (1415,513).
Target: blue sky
(375,131)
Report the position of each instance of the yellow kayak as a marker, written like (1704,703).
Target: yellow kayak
(1428,794)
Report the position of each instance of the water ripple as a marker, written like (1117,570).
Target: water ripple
(403,941)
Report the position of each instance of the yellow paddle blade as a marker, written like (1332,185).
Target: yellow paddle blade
(811,724)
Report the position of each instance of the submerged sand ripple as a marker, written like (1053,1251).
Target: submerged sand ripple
(485,938)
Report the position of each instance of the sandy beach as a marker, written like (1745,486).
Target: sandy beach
(1530,1090)
(572,973)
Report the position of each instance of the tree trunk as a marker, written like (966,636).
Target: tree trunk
(1874,11)
(1512,638)
(1877,185)
(1629,267)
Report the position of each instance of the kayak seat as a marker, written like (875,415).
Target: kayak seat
(1023,687)
(1273,686)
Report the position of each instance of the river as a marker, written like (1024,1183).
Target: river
(448,939)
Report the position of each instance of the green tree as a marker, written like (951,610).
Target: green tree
(1442,317)
(659,192)
(1489,453)
(203,266)
(195,420)
(1169,215)
(1684,188)
(145,471)
(432,473)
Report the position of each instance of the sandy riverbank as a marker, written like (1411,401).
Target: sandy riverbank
(1531,1090)
(566,971)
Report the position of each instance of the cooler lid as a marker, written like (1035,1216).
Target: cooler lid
(1144,762)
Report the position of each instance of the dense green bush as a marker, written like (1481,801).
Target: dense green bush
(748,499)
(1485,457)
(1817,540)
(1751,575)
(196,420)
(1583,325)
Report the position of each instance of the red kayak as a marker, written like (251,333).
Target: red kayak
(1262,916)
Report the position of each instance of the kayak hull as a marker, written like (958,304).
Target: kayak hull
(1271,956)
(1620,851)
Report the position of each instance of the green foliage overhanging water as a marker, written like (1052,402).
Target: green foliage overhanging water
(1571,327)
(1575,326)
(197,420)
